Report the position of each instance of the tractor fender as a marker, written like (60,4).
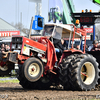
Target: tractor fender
(73,51)
(68,53)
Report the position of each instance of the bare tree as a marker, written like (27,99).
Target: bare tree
(21,27)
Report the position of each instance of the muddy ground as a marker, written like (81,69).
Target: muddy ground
(13,91)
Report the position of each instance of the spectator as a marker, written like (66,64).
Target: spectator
(3,48)
(96,46)
(78,47)
(7,48)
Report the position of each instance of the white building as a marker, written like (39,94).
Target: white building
(7,31)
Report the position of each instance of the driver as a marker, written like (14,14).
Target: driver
(57,41)
(58,47)
(58,44)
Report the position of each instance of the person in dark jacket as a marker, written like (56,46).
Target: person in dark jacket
(96,46)
(3,48)
(58,47)
(57,44)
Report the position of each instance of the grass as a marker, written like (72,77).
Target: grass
(4,77)
(9,81)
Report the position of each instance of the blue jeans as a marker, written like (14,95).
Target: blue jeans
(57,50)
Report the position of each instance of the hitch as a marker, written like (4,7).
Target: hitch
(9,56)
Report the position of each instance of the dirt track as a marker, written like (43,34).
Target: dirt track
(13,91)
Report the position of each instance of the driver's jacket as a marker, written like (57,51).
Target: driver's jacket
(57,44)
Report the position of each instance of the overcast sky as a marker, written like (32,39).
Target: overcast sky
(9,9)
(85,4)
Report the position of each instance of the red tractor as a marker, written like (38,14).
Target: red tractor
(35,59)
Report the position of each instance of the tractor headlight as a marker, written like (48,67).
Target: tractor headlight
(13,46)
(19,46)
(18,39)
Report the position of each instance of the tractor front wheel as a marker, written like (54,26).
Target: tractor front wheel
(33,69)
(26,84)
(6,69)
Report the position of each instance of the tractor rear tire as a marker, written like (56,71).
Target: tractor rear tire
(83,72)
(63,73)
(32,69)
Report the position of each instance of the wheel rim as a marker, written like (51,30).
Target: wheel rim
(87,73)
(4,68)
(34,69)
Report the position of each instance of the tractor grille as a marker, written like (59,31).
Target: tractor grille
(16,44)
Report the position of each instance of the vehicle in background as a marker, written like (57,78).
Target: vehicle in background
(54,15)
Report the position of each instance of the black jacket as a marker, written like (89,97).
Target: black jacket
(57,44)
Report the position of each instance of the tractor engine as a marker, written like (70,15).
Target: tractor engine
(25,48)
